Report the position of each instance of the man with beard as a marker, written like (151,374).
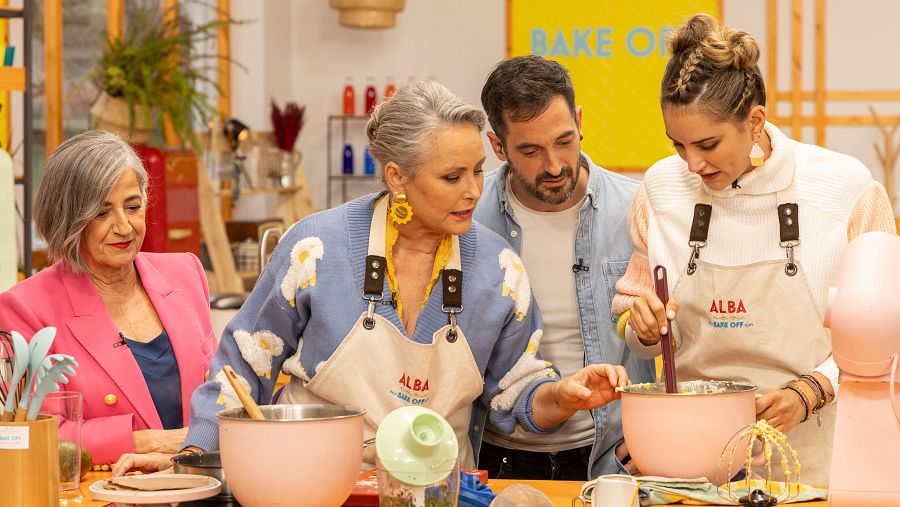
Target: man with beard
(566,217)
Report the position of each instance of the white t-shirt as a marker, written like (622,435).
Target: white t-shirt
(548,252)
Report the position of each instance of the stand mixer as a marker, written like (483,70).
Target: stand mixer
(863,313)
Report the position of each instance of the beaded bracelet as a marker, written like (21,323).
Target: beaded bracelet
(803,399)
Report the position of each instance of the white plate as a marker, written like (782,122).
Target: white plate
(98,492)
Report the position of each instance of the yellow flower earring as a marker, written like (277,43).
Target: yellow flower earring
(401,212)
(756,153)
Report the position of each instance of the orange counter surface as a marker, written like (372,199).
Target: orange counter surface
(559,492)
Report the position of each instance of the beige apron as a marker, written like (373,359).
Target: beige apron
(759,324)
(378,368)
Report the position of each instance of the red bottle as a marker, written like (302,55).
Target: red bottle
(349,98)
(371,96)
(389,89)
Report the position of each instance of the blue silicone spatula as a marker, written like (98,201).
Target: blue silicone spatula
(50,378)
(37,349)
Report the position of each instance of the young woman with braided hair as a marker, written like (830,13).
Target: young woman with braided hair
(768,216)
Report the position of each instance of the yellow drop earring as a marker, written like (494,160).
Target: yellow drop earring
(401,212)
(756,153)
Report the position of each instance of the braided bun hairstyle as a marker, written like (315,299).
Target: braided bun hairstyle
(713,69)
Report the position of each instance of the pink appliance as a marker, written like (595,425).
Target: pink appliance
(863,313)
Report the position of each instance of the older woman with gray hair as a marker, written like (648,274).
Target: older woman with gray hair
(397,298)
(137,323)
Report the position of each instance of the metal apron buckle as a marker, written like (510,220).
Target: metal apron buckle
(791,267)
(695,254)
(452,333)
(369,321)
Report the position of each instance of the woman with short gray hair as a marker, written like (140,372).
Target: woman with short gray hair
(398,298)
(137,323)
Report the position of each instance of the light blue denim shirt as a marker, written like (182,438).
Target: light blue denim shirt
(603,246)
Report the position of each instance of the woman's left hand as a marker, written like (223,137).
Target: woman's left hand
(145,463)
(783,409)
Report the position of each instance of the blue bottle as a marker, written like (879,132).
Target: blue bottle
(348,159)
(369,162)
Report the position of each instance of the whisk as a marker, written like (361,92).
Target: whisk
(6,367)
(771,492)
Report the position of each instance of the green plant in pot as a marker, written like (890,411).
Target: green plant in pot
(153,73)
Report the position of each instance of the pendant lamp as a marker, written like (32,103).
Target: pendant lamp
(368,13)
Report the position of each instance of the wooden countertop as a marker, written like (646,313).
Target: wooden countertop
(559,492)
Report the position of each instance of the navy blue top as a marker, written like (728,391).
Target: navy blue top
(156,360)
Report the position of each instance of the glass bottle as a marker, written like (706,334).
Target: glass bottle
(389,88)
(369,166)
(371,95)
(349,97)
(348,159)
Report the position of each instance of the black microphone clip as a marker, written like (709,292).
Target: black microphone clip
(121,341)
(578,266)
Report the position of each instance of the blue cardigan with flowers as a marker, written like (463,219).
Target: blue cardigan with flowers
(313,287)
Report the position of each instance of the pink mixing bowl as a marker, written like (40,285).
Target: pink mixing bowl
(683,434)
(301,455)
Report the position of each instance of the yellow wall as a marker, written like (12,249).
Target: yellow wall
(616,54)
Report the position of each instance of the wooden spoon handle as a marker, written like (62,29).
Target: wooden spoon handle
(249,405)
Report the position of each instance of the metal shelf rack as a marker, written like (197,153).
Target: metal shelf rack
(19,79)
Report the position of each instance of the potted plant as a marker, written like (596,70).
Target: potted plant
(152,74)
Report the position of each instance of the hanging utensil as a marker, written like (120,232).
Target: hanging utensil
(37,349)
(6,366)
(668,350)
(249,404)
(20,365)
(55,369)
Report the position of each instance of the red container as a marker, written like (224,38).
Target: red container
(157,220)
(183,201)
(349,99)
(371,97)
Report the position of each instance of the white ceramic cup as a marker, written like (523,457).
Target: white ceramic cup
(616,491)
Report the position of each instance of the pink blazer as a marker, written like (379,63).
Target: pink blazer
(116,398)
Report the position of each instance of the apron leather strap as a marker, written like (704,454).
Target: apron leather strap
(788,225)
(373,284)
(699,228)
(452,278)
(373,281)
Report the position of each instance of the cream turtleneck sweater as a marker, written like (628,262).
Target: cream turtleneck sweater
(837,199)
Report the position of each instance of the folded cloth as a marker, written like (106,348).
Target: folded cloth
(662,491)
(472,492)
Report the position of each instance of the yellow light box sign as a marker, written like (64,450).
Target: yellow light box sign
(616,53)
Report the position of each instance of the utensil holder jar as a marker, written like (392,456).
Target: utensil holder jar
(29,463)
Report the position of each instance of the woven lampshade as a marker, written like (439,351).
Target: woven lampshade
(368,13)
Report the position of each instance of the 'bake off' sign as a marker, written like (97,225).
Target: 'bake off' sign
(616,53)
